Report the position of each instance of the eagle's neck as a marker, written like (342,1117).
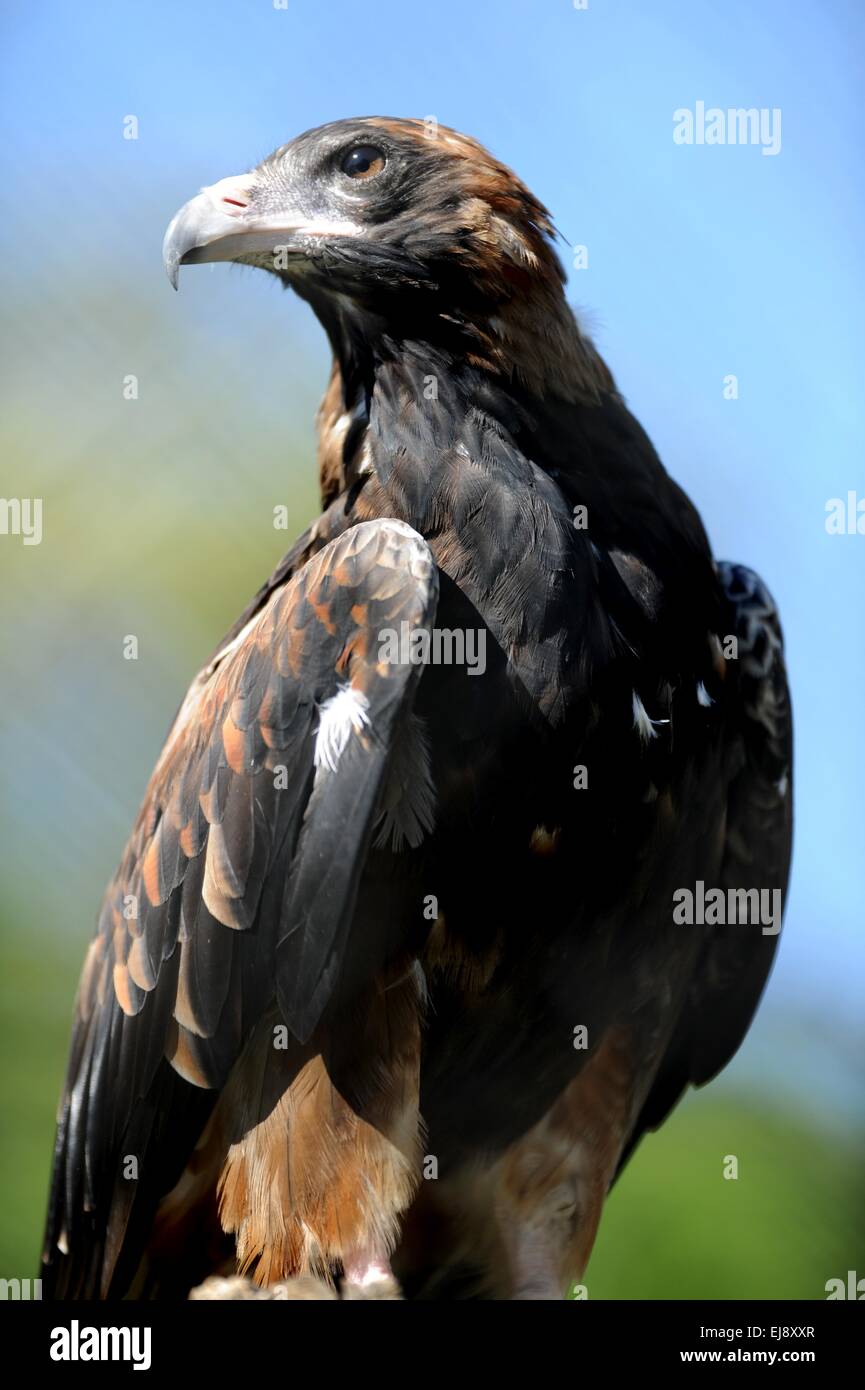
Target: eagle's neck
(461,453)
(526,365)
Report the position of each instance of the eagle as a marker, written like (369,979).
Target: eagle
(449,879)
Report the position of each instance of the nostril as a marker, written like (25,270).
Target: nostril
(230,196)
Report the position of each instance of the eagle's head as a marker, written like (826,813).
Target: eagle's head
(397,231)
(374,209)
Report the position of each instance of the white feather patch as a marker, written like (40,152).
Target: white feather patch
(644,726)
(703,696)
(344,713)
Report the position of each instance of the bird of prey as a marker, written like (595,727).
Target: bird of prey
(395,972)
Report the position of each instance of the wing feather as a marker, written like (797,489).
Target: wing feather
(734,966)
(238,883)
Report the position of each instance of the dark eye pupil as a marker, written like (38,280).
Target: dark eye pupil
(363,161)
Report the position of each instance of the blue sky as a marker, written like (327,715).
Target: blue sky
(703,261)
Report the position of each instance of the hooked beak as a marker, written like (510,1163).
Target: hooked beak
(214,226)
(223,223)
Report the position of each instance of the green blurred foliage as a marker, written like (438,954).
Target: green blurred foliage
(675,1227)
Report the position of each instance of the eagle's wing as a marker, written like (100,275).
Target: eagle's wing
(237,884)
(735,963)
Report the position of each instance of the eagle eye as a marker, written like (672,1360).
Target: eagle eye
(363,162)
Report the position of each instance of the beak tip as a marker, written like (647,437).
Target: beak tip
(203,229)
(173,248)
(171,262)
